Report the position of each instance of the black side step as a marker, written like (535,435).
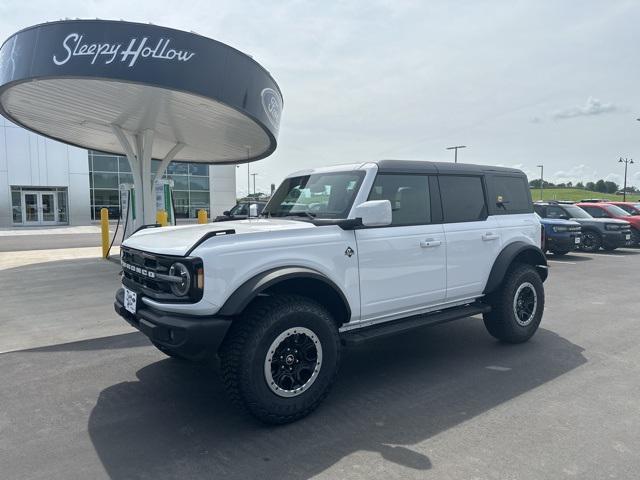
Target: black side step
(357,336)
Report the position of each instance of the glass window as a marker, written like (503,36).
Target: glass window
(103,163)
(177,168)
(180,182)
(199,199)
(16,206)
(62,207)
(409,197)
(574,211)
(124,164)
(126,178)
(462,198)
(199,169)
(106,197)
(509,194)
(199,183)
(556,212)
(322,195)
(616,211)
(105,180)
(595,211)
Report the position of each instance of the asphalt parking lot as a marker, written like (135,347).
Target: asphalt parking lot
(445,402)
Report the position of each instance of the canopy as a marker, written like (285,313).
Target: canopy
(140,90)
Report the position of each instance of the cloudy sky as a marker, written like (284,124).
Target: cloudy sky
(520,82)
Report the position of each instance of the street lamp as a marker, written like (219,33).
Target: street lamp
(626,162)
(541,167)
(455,149)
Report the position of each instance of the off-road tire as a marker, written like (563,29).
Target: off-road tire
(591,241)
(609,248)
(560,253)
(246,347)
(501,321)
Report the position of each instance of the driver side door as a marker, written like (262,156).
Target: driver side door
(403,265)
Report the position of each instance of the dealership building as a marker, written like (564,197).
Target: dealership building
(45,182)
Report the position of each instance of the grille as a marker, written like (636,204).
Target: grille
(140,269)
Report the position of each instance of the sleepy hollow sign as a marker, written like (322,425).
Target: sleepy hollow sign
(75,45)
(71,80)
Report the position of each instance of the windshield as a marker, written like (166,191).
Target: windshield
(320,195)
(617,211)
(239,209)
(576,212)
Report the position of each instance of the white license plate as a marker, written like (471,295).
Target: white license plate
(627,237)
(577,239)
(130,300)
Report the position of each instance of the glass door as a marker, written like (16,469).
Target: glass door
(39,208)
(30,211)
(48,208)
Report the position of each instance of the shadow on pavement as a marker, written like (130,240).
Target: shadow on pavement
(125,340)
(569,257)
(390,394)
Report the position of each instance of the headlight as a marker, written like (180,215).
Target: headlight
(180,289)
(612,226)
(559,229)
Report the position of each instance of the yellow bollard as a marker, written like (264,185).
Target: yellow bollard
(162,218)
(104,226)
(202,216)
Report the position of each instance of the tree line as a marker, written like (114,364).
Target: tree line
(601,186)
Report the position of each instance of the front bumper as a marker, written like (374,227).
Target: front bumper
(192,337)
(613,239)
(566,242)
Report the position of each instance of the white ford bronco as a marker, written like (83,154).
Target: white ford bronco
(340,255)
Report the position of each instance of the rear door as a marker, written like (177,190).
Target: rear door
(472,236)
(403,266)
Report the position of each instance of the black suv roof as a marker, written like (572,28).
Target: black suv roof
(419,166)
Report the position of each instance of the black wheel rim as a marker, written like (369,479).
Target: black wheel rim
(525,302)
(293,362)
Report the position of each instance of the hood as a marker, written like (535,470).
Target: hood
(559,221)
(599,220)
(178,240)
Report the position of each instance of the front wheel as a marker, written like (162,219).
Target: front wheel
(559,253)
(517,306)
(279,361)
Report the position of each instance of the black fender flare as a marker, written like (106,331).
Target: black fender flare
(249,290)
(533,255)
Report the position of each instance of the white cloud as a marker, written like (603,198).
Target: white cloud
(578,173)
(592,106)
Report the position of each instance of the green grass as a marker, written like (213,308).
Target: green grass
(576,194)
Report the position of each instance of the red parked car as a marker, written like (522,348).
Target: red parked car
(609,210)
(633,208)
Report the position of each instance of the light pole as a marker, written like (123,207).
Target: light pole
(626,162)
(541,167)
(455,149)
(254,182)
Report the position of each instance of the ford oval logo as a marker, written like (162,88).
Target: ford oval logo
(272,104)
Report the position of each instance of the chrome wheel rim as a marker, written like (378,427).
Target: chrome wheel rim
(293,362)
(525,302)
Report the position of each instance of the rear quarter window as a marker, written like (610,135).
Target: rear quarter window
(509,194)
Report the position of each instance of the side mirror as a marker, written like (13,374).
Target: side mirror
(374,213)
(226,213)
(253,210)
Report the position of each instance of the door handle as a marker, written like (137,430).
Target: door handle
(487,237)
(430,243)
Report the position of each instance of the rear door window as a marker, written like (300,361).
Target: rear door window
(463,198)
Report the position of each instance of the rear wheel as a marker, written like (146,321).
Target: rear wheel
(517,307)
(591,241)
(279,361)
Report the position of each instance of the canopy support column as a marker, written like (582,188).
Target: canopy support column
(167,159)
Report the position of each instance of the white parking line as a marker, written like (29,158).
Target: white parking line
(561,262)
